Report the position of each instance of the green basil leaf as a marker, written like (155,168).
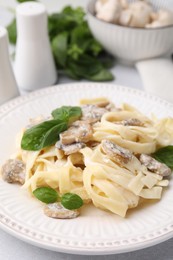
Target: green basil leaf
(81,36)
(95,47)
(12,32)
(42,135)
(107,60)
(71,73)
(52,136)
(85,66)
(47,133)
(76,14)
(165,155)
(22,1)
(46,194)
(68,114)
(75,51)
(102,75)
(65,21)
(89,68)
(71,201)
(59,48)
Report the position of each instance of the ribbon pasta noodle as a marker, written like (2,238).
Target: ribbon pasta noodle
(108,169)
(138,139)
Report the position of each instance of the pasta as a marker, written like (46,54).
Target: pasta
(111,169)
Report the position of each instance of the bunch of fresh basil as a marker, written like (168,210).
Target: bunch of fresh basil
(76,52)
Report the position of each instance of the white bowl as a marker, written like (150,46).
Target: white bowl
(130,44)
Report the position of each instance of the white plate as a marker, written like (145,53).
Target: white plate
(95,231)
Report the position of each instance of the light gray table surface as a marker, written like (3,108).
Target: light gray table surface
(10,247)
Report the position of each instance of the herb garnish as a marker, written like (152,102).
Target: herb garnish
(68,200)
(42,135)
(71,201)
(67,113)
(165,155)
(22,1)
(47,133)
(46,195)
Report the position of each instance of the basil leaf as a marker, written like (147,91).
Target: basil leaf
(65,21)
(75,51)
(22,1)
(68,114)
(46,195)
(71,73)
(71,201)
(42,135)
(12,32)
(53,134)
(89,68)
(107,60)
(76,14)
(81,36)
(165,155)
(47,133)
(59,48)
(85,66)
(102,75)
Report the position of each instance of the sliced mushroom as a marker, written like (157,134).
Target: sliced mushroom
(124,4)
(69,148)
(155,24)
(131,122)
(92,113)
(154,16)
(98,6)
(112,108)
(155,166)
(116,152)
(79,131)
(108,11)
(56,210)
(13,171)
(160,19)
(136,15)
(125,17)
(93,144)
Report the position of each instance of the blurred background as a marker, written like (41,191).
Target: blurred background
(124,75)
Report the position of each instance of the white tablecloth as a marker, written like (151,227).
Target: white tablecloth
(10,247)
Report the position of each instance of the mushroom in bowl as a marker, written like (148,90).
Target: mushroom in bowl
(128,39)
